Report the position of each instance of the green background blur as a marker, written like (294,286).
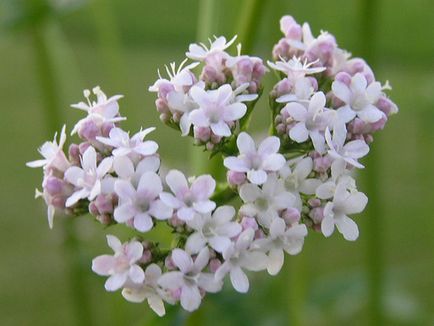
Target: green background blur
(119,45)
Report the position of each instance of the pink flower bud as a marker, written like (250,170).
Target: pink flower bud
(317,214)
(343,77)
(314,202)
(249,223)
(104,219)
(291,216)
(104,203)
(168,262)
(89,130)
(235,178)
(202,133)
(214,264)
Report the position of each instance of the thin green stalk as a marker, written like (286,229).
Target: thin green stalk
(374,227)
(249,23)
(109,40)
(50,94)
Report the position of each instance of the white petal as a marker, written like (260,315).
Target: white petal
(326,190)
(171,280)
(299,133)
(195,243)
(220,129)
(249,192)
(257,177)
(327,225)
(102,265)
(115,282)
(273,162)
(176,181)
(124,212)
(143,222)
(203,187)
(190,298)
(239,280)
(356,149)
(182,260)
(219,243)
(160,210)
(345,113)
(124,189)
(245,143)
(355,203)
(151,183)
(297,111)
(204,207)
(114,243)
(275,261)
(347,227)
(235,164)
(201,260)
(136,274)
(341,91)
(186,213)
(123,166)
(234,111)
(269,145)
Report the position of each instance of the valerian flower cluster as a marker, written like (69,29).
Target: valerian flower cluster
(325,107)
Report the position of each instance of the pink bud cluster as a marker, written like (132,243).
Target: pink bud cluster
(212,101)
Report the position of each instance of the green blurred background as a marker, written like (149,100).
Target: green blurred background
(51,50)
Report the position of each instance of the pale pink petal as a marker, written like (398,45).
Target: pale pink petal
(123,167)
(102,265)
(89,159)
(114,243)
(104,166)
(134,251)
(151,183)
(341,91)
(239,280)
(220,129)
(124,189)
(186,213)
(205,206)
(249,192)
(147,148)
(297,111)
(182,260)
(275,261)
(327,225)
(143,222)
(326,190)
(160,210)
(355,203)
(201,260)
(356,149)
(73,174)
(195,243)
(347,227)
(115,282)
(370,114)
(219,243)
(235,164)
(234,111)
(136,274)
(257,177)
(171,200)
(345,113)
(273,162)
(171,280)
(203,187)
(190,298)
(223,214)
(208,282)
(245,143)
(176,182)
(199,119)
(299,133)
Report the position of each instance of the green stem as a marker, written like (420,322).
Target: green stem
(109,43)
(50,94)
(249,23)
(374,228)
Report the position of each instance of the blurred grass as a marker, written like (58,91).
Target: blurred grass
(33,275)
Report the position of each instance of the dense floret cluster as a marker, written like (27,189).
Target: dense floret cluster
(325,108)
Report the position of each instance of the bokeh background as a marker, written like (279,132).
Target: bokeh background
(51,50)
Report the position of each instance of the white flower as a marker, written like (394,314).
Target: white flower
(124,145)
(122,267)
(182,102)
(359,99)
(265,203)
(190,278)
(296,180)
(216,230)
(281,239)
(239,256)
(256,162)
(301,91)
(189,201)
(310,122)
(178,78)
(139,206)
(295,68)
(344,202)
(102,111)
(350,152)
(216,109)
(148,290)
(126,169)
(87,179)
(201,52)
(54,157)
